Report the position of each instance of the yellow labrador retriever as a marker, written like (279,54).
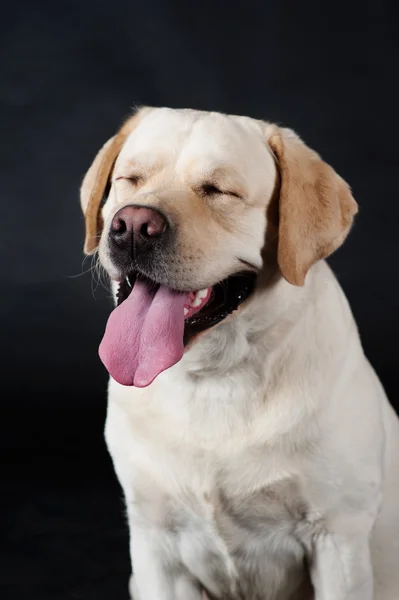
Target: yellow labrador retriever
(257,451)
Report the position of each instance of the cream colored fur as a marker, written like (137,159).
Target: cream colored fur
(265,464)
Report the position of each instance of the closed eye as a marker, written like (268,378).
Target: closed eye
(209,189)
(135,179)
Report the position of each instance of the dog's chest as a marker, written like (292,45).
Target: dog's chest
(237,543)
(231,513)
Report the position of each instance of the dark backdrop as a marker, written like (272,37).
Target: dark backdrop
(69,74)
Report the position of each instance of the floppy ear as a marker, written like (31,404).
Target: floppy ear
(96,180)
(316,207)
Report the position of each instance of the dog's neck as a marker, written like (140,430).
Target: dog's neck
(243,373)
(251,334)
(280,318)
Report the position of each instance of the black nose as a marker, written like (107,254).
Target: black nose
(136,227)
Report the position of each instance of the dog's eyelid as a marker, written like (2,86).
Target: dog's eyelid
(132,178)
(234,194)
(211,189)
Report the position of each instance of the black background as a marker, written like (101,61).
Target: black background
(69,74)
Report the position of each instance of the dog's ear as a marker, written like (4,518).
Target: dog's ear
(316,207)
(96,180)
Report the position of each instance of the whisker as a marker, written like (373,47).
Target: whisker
(83,272)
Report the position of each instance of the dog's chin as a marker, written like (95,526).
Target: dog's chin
(208,307)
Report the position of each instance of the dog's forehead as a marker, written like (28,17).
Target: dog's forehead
(182,136)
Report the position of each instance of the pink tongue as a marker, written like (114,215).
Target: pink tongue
(144,335)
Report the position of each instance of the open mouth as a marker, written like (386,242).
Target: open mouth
(148,330)
(203,308)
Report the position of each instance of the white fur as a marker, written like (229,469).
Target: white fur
(274,418)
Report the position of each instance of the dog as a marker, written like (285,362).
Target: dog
(256,448)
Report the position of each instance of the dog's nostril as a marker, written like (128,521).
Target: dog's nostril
(119,226)
(144,230)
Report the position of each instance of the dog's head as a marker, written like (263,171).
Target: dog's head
(187,209)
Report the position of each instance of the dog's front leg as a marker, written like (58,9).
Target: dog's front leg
(157,572)
(341,566)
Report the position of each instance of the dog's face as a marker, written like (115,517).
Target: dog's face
(185,216)
(200,174)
